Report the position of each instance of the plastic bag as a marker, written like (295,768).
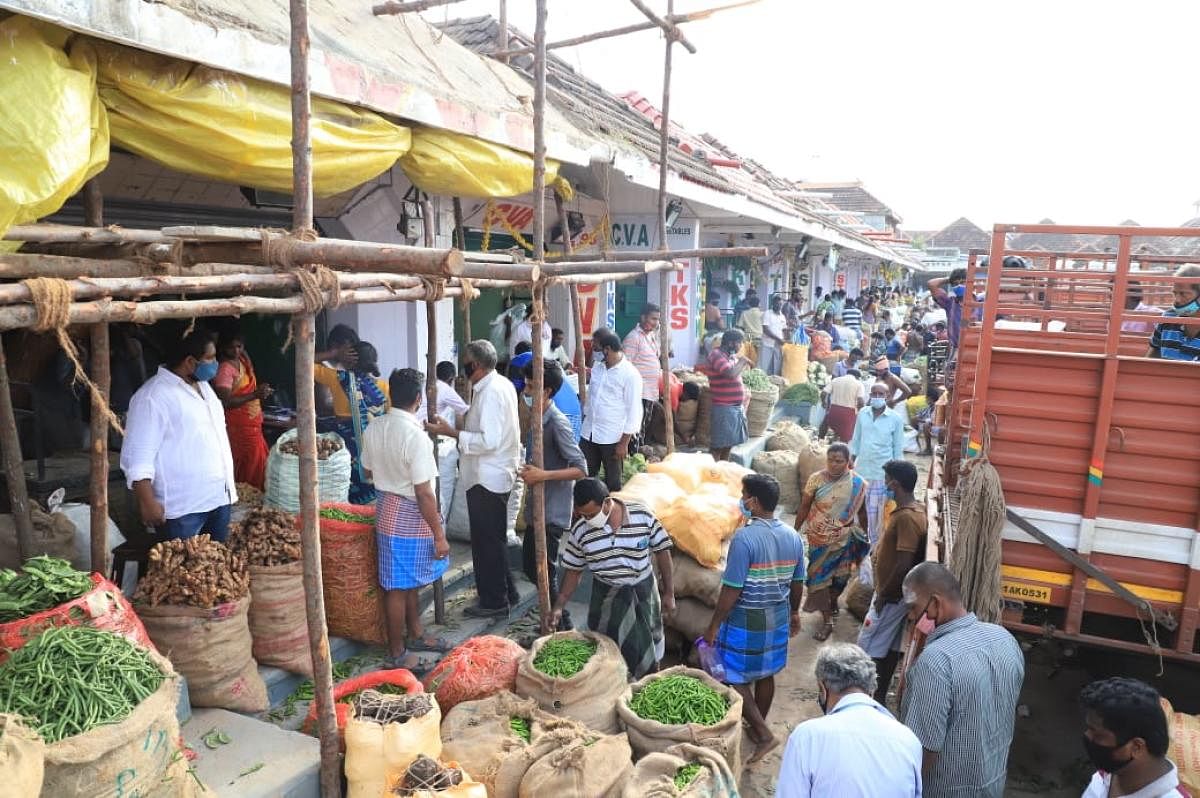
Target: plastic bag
(687,469)
(504,326)
(376,752)
(343,692)
(655,492)
(700,523)
(456,165)
(283,475)
(480,667)
(232,128)
(56,133)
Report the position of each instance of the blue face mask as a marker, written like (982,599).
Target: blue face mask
(527,399)
(960,291)
(745,510)
(205,371)
(1190,309)
(878,402)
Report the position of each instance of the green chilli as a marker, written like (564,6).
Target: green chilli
(341,515)
(686,775)
(42,584)
(520,727)
(676,700)
(563,658)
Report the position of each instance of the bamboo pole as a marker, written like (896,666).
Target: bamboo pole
(537,441)
(662,254)
(634,267)
(669,28)
(394,7)
(502,33)
(664,280)
(304,334)
(576,313)
(14,467)
(93,210)
(431,392)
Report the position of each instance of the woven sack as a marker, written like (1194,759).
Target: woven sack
(283,475)
(278,619)
(788,436)
(592,766)
(692,580)
(350,576)
(781,464)
(654,775)
(22,757)
(758,414)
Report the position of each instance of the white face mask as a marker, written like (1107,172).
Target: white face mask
(599,520)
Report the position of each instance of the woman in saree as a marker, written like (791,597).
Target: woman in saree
(241,393)
(359,395)
(833,516)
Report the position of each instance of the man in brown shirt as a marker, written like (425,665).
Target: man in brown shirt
(900,548)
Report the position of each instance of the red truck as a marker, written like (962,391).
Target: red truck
(1097,444)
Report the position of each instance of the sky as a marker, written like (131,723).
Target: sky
(1013,112)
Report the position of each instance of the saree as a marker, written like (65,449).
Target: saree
(833,548)
(367,401)
(245,424)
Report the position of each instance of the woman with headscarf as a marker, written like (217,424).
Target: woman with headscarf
(359,395)
(241,393)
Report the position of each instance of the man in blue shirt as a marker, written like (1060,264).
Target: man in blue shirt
(566,399)
(1179,341)
(878,438)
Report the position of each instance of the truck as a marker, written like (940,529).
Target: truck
(1096,443)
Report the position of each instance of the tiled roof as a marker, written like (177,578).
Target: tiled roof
(852,197)
(963,234)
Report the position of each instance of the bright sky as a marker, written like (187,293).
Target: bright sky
(1013,111)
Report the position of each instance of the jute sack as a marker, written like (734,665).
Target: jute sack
(758,413)
(788,436)
(810,461)
(278,623)
(654,775)
(782,465)
(138,756)
(858,598)
(211,648)
(1185,745)
(22,757)
(650,736)
(693,580)
(587,767)
(589,696)
(479,736)
(691,618)
(377,751)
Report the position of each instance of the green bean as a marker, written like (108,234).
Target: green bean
(71,679)
(686,775)
(563,658)
(341,515)
(42,584)
(520,727)
(675,700)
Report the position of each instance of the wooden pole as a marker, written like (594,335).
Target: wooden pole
(662,254)
(537,442)
(669,28)
(14,467)
(20,265)
(431,392)
(304,334)
(460,238)
(664,279)
(394,7)
(576,313)
(502,33)
(93,211)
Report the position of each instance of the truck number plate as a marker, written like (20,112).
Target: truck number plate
(1024,592)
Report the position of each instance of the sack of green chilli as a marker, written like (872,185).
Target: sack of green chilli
(682,771)
(22,757)
(683,705)
(576,675)
(106,711)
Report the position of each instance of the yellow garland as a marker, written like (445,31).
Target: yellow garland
(487,225)
(490,216)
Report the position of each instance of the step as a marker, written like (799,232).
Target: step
(290,761)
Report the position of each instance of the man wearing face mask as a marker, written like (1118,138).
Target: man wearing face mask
(948,293)
(878,437)
(615,540)
(562,464)
(857,750)
(960,695)
(176,454)
(900,547)
(1171,341)
(614,408)
(1126,738)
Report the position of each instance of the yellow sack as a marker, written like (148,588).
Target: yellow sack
(687,469)
(456,165)
(376,752)
(795,363)
(235,129)
(915,405)
(55,132)
(467,788)
(726,475)
(655,492)
(701,522)
(749,351)
(1184,731)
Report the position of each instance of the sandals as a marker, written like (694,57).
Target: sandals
(414,664)
(436,645)
(823,632)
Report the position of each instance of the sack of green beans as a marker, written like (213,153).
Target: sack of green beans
(576,675)
(498,739)
(682,771)
(22,757)
(683,705)
(592,766)
(106,711)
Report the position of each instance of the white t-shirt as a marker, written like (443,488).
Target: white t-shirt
(524,332)
(1166,786)
(774,322)
(398,453)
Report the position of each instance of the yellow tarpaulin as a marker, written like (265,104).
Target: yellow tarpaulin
(235,129)
(451,164)
(55,133)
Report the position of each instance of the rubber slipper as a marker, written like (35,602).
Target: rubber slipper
(437,645)
(417,666)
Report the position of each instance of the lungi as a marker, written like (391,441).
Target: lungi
(405,541)
(632,616)
(727,426)
(842,419)
(753,642)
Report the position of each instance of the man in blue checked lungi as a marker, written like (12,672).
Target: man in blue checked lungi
(413,551)
(758,609)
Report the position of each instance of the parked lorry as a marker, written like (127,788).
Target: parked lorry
(1097,445)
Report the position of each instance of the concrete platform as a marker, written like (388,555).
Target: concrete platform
(290,761)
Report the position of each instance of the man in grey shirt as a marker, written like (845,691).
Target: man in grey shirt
(562,463)
(961,694)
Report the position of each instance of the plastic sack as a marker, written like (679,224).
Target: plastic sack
(504,326)
(350,575)
(458,522)
(232,128)
(376,752)
(480,667)
(283,475)
(821,346)
(80,516)
(686,469)
(22,757)
(1184,732)
(655,492)
(467,788)
(700,523)
(56,133)
(343,692)
(727,475)
(103,607)
(795,363)
(447,475)
(590,696)
(654,775)
(456,165)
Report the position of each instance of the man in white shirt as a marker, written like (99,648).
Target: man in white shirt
(857,750)
(524,332)
(489,450)
(614,408)
(176,454)
(770,357)
(845,396)
(558,351)
(413,551)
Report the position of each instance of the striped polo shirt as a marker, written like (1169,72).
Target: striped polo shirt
(961,702)
(641,348)
(1176,341)
(765,557)
(616,556)
(725,387)
(852,318)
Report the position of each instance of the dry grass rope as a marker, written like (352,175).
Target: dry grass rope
(52,302)
(975,558)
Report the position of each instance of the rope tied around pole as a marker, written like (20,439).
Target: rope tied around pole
(435,290)
(319,286)
(469,292)
(51,297)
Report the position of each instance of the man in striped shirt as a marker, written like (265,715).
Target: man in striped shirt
(961,693)
(852,316)
(642,349)
(615,540)
(1171,341)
